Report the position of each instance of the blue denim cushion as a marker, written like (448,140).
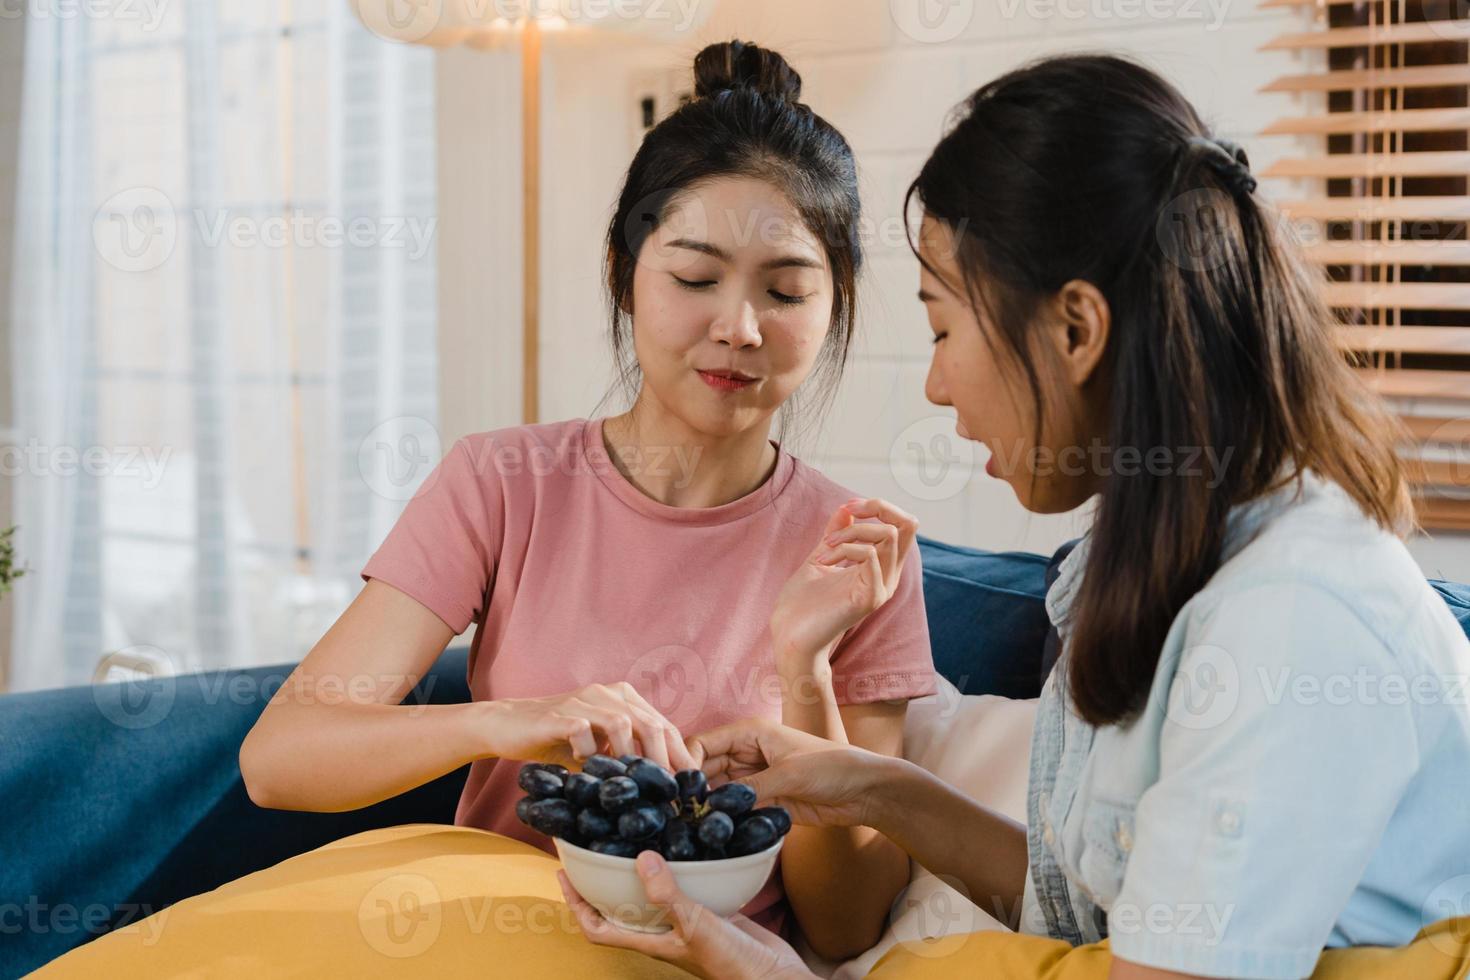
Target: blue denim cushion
(987,617)
(124,798)
(1457,597)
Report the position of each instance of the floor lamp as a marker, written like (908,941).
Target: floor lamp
(494,25)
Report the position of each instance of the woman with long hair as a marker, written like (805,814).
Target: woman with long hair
(1117,320)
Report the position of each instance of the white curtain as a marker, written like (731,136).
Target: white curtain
(223,309)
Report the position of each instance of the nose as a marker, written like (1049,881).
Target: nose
(737,326)
(934,388)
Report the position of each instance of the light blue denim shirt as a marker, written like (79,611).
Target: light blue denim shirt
(1299,777)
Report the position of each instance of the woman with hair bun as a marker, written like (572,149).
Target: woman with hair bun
(631,576)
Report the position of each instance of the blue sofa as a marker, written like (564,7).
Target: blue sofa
(124,798)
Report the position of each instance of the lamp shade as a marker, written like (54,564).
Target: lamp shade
(483,23)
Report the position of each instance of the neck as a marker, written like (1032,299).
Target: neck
(682,467)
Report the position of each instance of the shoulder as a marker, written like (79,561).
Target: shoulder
(519,452)
(815,483)
(818,491)
(565,436)
(817,496)
(1320,566)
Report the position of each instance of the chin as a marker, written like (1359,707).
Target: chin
(1049,498)
(715,421)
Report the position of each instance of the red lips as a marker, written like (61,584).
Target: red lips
(726,380)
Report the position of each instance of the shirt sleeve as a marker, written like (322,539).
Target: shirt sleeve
(442,549)
(886,657)
(1279,770)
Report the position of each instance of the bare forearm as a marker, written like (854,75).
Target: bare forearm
(840,881)
(350,755)
(953,836)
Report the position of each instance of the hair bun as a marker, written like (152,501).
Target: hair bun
(740,64)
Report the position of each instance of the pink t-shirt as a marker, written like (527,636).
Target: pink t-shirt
(576,577)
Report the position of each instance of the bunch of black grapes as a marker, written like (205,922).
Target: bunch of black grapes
(631,804)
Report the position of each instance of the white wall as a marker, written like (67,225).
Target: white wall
(887,80)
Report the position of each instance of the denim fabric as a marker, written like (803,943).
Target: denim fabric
(128,797)
(125,798)
(987,618)
(1244,821)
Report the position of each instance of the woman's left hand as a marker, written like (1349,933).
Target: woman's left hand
(853,570)
(701,942)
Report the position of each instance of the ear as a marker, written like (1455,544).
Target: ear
(1081,326)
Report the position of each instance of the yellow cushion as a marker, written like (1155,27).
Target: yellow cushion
(417,900)
(432,900)
(1438,952)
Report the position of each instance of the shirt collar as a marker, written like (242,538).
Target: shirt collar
(1243,523)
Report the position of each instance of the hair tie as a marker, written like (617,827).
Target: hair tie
(1228,159)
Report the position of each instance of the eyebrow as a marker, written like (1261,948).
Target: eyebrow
(926,297)
(789,261)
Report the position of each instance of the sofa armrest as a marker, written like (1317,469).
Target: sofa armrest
(127,797)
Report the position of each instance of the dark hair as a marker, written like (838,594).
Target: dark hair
(1077,168)
(745,120)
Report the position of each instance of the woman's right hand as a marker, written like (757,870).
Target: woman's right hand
(566,728)
(820,783)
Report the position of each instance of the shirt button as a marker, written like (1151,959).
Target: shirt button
(1228,822)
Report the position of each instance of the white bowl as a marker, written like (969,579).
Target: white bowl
(611,884)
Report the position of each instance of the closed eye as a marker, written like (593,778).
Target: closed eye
(786,299)
(940,336)
(694,284)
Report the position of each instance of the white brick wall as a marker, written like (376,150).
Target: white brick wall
(875,75)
